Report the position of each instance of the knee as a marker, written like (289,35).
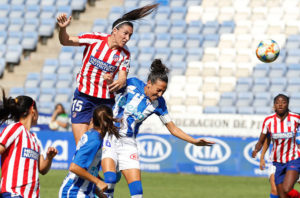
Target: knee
(110,177)
(135,188)
(287,189)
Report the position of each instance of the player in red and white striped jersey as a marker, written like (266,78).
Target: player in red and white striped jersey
(21,158)
(104,56)
(282,128)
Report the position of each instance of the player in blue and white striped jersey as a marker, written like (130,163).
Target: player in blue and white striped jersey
(136,103)
(83,179)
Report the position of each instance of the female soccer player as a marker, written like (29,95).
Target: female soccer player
(104,56)
(282,128)
(21,158)
(82,180)
(135,104)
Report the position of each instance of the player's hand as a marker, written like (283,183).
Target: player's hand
(203,142)
(101,186)
(63,21)
(116,85)
(262,164)
(51,152)
(254,152)
(109,78)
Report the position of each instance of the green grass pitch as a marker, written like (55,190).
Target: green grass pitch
(175,185)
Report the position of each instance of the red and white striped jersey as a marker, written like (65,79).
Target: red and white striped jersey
(283,134)
(99,59)
(20,175)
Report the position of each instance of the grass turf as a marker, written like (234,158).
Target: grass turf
(175,185)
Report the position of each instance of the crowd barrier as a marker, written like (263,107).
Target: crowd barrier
(165,153)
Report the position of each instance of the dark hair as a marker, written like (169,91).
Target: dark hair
(104,120)
(133,15)
(63,109)
(281,95)
(15,108)
(158,71)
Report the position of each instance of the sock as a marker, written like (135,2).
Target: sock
(293,194)
(274,196)
(136,189)
(110,178)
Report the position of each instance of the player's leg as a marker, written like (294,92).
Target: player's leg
(133,178)
(108,164)
(78,130)
(273,193)
(279,178)
(291,177)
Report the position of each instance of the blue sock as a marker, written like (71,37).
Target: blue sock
(136,189)
(110,178)
(273,196)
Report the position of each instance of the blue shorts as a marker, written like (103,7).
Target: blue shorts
(282,168)
(84,105)
(9,195)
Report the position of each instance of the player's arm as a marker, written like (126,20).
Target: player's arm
(64,37)
(2,149)
(84,174)
(119,83)
(262,163)
(45,164)
(259,144)
(174,130)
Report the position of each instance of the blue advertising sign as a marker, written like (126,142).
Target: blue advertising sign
(166,153)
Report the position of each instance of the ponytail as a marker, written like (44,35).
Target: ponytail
(158,71)
(134,15)
(104,120)
(15,108)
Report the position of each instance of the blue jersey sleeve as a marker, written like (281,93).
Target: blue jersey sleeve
(162,107)
(85,154)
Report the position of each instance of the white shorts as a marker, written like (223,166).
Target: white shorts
(123,151)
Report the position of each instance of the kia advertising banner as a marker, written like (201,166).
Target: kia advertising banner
(166,153)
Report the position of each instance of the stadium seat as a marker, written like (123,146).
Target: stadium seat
(277,84)
(64,9)
(48,12)
(226,27)
(196,109)
(2,67)
(46,107)
(177,68)
(100,25)
(32,2)
(162,26)
(162,53)
(277,70)
(2,51)
(146,27)
(50,66)
(13,54)
(16,91)
(177,109)
(133,42)
(227,83)
(66,52)
(78,5)
(210,40)
(4,22)
(194,54)
(261,84)
(228,110)
(48,81)
(60,3)
(177,40)
(115,12)
(32,11)
(293,70)
(16,11)
(178,27)
(63,95)
(146,40)
(263,110)
(130,3)
(293,85)
(210,27)
(47,2)
(194,27)
(146,54)
(178,54)
(227,69)
(260,70)
(78,54)
(162,40)
(227,99)
(32,80)
(30,40)
(32,92)
(65,66)
(178,13)
(134,51)
(194,41)
(245,110)
(261,99)
(47,27)
(162,13)
(210,68)
(177,3)
(244,99)
(293,56)
(14,38)
(211,110)
(4,10)
(31,25)
(3,37)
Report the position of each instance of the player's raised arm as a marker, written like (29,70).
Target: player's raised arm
(174,130)
(45,164)
(64,37)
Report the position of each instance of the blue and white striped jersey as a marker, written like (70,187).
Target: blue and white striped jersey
(88,156)
(133,107)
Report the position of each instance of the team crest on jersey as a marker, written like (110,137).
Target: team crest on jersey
(116,57)
(74,114)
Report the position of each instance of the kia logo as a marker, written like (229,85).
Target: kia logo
(248,152)
(208,155)
(153,148)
